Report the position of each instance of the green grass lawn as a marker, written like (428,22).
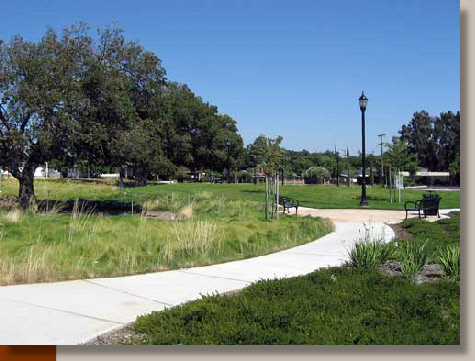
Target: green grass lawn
(335,306)
(314,196)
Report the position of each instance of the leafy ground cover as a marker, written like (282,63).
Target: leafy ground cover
(334,306)
(47,246)
(315,196)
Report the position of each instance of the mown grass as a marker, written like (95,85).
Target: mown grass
(315,196)
(37,247)
(335,306)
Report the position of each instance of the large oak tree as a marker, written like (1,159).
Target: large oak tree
(39,89)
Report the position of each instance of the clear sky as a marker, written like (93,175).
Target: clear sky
(293,68)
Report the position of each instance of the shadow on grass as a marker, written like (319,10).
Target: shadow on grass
(112,207)
(8,203)
(128,183)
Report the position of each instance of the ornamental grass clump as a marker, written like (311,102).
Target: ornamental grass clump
(450,261)
(413,257)
(369,252)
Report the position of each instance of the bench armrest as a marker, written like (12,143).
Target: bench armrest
(282,199)
(416,204)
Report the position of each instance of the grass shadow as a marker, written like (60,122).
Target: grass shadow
(111,207)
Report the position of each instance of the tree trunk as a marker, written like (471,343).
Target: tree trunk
(121,178)
(267,198)
(277,196)
(27,190)
(141,175)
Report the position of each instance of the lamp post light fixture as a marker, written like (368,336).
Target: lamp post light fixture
(363,100)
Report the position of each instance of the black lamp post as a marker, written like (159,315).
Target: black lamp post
(363,100)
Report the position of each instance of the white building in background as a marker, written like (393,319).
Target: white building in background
(45,172)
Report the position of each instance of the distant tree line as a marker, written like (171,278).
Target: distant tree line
(431,142)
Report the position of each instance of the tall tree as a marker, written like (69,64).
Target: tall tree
(39,89)
(123,87)
(208,140)
(419,135)
(447,133)
(142,149)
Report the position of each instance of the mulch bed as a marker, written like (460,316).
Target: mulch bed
(123,335)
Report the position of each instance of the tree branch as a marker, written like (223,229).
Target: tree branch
(4,120)
(25,122)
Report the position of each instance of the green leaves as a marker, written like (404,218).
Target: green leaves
(370,251)
(449,258)
(268,153)
(413,257)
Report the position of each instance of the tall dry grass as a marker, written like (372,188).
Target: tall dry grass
(189,238)
(83,244)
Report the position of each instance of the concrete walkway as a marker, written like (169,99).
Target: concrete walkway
(367,215)
(73,312)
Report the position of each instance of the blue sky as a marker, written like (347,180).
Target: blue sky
(291,68)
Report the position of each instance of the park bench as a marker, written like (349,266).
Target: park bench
(428,205)
(288,203)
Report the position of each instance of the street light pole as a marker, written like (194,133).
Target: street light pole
(382,164)
(363,100)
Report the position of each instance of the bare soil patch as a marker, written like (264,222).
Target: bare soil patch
(168,216)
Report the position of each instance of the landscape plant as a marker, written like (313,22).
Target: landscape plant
(370,251)
(449,258)
(331,306)
(413,257)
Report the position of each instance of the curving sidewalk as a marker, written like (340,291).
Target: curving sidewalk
(73,312)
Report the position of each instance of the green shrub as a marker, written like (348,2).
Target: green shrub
(450,261)
(333,306)
(369,252)
(413,257)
